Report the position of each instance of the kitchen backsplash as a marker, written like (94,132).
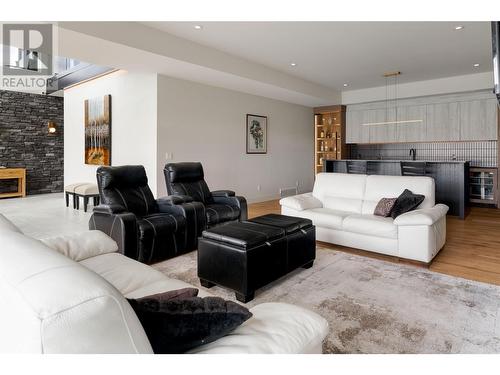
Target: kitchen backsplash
(479,153)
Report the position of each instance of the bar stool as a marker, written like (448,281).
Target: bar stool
(413,168)
(357,166)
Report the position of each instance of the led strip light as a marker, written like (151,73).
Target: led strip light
(392,122)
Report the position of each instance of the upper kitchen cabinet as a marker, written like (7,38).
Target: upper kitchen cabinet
(412,124)
(443,122)
(356,132)
(470,116)
(380,124)
(478,120)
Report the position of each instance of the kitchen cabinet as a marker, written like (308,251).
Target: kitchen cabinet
(443,122)
(380,133)
(356,132)
(478,120)
(412,124)
(471,116)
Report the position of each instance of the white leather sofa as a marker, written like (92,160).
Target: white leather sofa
(341,207)
(74,303)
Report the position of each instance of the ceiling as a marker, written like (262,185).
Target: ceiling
(356,53)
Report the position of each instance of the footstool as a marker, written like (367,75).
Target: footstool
(86,192)
(245,256)
(70,190)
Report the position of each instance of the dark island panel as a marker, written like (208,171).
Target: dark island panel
(451,178)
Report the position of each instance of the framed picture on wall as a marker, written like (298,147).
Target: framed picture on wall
(98,130)
(256,134)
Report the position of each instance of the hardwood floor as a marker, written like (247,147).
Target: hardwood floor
(472,249)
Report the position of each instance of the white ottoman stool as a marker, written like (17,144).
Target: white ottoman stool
(86,191)
(70,190)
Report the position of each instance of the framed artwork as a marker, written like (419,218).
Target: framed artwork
(256,134)
(98,130)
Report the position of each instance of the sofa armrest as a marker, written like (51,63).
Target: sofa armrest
(235,201)
(81,246)
(109,209)
(424,216)
(172,200)
(223,193)
(301,202)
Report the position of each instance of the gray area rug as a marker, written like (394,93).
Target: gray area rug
(374,306)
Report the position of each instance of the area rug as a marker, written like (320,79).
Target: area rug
(374,306)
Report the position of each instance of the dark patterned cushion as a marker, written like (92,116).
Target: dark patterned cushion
(406,202)
(178,325)
(155,299)
(219,213)
(384,207)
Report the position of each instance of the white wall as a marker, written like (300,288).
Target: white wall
(202,123)
(133,124)
(470,82)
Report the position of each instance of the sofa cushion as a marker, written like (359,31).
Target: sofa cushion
(83,245)
(406,202)
(378,187)
(371,225)
(177,325)
(274,328)
(219,213)
(326,217)
(340,191)
(384,207)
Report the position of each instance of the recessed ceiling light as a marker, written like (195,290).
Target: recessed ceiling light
(459,27)
(198,27)
(346,84)
(293,64)
(476,65)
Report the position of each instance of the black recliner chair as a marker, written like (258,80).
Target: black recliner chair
(145,229)
(186,182)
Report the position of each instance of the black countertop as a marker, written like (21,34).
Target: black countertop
(405,160)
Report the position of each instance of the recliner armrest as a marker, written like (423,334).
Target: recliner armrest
(424,216)
(223,193)
(235,201)
(109,209)
(301,202)
(172,200)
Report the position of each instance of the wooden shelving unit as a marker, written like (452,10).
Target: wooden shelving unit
(329,135)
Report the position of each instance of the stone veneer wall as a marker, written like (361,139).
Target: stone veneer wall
(25,142)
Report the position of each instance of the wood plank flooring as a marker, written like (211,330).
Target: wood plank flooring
(472,249)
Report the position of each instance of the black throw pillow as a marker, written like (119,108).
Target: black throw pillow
(178,325)
(406,202)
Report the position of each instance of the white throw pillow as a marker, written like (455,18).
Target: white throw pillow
(83,245)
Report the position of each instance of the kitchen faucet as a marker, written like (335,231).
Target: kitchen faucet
(413,153)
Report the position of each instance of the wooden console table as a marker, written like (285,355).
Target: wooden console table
(18,174)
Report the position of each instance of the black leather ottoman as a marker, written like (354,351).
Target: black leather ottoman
(245,256)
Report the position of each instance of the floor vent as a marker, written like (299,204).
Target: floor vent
(287,192)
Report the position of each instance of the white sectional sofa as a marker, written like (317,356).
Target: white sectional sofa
(341,207)
(67,295)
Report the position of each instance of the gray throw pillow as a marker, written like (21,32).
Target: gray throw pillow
(406,202)
(384,207)
(180,324)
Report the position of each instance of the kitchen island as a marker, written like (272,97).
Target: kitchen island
(451,178)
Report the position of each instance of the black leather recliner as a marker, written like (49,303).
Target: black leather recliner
(145,229)
(186,181)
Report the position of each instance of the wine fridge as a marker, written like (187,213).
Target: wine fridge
(483,185)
